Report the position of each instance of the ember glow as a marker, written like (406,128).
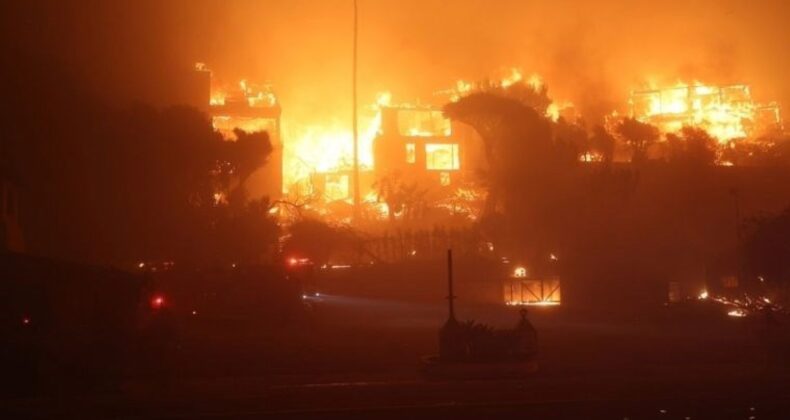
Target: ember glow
(744,305)
(158,301)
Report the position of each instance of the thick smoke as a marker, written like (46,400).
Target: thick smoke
(590,53)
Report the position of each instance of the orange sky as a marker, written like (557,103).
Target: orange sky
(591,53)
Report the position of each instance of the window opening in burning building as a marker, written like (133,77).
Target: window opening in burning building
(423,123)
(226,125)
(442,157)
(336,187)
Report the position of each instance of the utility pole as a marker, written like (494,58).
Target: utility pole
(451,337)
(355,129)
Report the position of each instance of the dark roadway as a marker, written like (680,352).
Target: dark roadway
(360,359)
(540,397)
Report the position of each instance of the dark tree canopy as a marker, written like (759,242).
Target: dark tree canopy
(640,136)
(604,143)
(692,146)
(117,185)
(316,240)
(767,249)
(530,169)
(402,195)
(535,96)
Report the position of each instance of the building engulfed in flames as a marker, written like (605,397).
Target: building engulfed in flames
(250,108)
(417,144)
(726,112)
(413,143)
(317,160)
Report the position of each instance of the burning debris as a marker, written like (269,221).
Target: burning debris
(743,306)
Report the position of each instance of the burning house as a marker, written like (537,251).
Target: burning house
(726,112)
(249,107)
(416,143)
(420,143)
(254,109)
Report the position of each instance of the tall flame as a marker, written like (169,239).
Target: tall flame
(726,112)
(327,147)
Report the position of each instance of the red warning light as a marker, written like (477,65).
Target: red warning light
(158,302)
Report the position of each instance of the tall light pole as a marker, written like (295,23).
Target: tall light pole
(354,128)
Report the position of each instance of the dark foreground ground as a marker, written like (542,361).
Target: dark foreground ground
(359,358)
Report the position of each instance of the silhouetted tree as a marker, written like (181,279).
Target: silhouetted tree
(317,241)
(530,172)
(603,142)
(572,139)
(247,153)
(244,232)
(639,137)
(531,95)
(400,195)
(117,185)
(692,146)
(767,250)
(771,150)
(504,125)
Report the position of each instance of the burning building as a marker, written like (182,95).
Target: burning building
(419,142)
(401,147)
(726,112)
(416,142)
(249,107)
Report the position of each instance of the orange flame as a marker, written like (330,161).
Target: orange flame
(726,112)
